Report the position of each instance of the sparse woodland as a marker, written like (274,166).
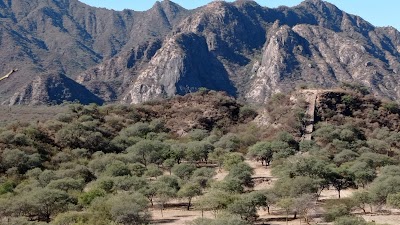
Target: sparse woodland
(118,164)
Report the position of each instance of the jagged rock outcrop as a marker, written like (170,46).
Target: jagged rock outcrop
(247,50)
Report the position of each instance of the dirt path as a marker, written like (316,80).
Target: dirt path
(311,99)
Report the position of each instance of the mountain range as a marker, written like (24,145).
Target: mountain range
(63,50)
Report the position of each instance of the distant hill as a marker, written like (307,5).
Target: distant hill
(242,48)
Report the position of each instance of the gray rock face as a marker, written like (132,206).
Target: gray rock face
(52,89)
(249,51)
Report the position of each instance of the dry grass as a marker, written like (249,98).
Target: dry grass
(26,114)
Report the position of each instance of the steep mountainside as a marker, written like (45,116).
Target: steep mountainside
(249,51)
(70,37)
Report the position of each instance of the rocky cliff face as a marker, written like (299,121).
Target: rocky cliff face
(249,51)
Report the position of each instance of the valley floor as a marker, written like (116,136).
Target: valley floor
(178,215)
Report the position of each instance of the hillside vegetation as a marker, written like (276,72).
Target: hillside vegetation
(118,164)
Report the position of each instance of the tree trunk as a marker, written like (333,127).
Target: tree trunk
(287,218)
(295,215)
(189,204)
(268,210)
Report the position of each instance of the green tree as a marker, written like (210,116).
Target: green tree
(86,198)
(363,173)
(47,202)
(382,187)
(261,151)
(184,170)
(341,178)
(198,150)
(362,199)
(350,220)
(232,159)
(286,204)
(67,184)
(394,200)
(189,191)
(243,173)
(246,206)
(164,193)
(149,151)
(153,171)
(129,209)
(215,200)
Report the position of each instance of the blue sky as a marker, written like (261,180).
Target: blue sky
(377,12)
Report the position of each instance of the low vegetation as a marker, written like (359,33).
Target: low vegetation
(118,164)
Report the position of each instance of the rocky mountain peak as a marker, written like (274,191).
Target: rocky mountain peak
(248,51)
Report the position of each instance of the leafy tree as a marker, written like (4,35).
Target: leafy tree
(129,209)
(117,168)
(20,160)
(232,159)
(230,185)
(153,171)
(138,129)
(295,187)
(287,205)
(148,151)
(350,220)
(198,150)
(394,200)
(86,198)
(215,200)
(218,157)
(169,164)
(282,149)
(129,183)
(230,142)
(7,187)
(189,191)
(383,186)
(261,151)
(66,184)
(375,159)
(362,199)
(202,176)
(363,173)
(197,134)
(243,173)
(345,156)
(184,170)
(303,205)
(137,169)
(337,208)
(47,202)
(164,193)
(178,152)
(246,206)
(341,178)
(71,218)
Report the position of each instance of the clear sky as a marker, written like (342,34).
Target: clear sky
(377,12)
